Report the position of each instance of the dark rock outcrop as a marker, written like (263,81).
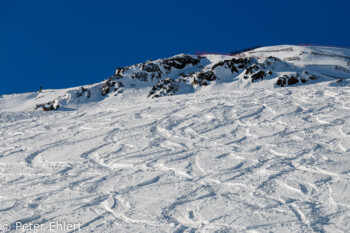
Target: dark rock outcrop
(203,78)
(111,85)
(141,76)
(287,80)
(256,73)
(313,77)
(150,67)
(234,64)
(294,79)
(260,75)
(180,62)
(49,106)
(165,87)
(148,70)
(121,70)
(83,91)
(253,68)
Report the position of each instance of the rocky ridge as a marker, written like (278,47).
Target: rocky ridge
(174,75)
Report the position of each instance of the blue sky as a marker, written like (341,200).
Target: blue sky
(61,43)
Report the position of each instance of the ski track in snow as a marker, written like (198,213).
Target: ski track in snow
(251,160)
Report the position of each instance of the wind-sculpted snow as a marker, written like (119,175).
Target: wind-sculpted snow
(243,160)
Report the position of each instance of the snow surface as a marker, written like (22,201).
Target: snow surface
(226,158)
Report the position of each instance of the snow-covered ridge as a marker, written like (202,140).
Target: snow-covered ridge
(267,67)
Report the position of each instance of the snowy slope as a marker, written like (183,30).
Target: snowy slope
(235,155)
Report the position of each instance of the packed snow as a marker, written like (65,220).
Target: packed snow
(234,155)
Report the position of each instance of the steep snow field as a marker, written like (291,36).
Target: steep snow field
(227,157)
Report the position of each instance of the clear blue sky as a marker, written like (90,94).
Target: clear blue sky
(65,43)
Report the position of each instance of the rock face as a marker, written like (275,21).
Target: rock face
(83,92)
(112,85)
(148,71)
(257,72)
(180,62)
(166,77)
(259,75)
(235,64)
(287,80)
(294,79)
(203,78)
(52,105)
(165,87)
